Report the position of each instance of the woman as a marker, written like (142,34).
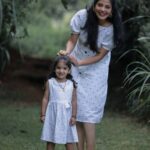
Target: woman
(95,32)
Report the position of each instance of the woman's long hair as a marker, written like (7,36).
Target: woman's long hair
(91,26)
(67,62)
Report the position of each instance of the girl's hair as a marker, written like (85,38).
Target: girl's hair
(91,26)
(67,62)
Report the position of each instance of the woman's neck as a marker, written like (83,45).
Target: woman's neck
(104,23)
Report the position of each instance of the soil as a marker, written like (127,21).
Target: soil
(26,74)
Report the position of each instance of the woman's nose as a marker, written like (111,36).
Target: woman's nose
(102,8)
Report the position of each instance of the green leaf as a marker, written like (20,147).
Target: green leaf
(137,18)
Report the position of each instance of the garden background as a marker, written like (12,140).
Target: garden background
(31,33)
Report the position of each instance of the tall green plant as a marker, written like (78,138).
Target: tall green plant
(138,79)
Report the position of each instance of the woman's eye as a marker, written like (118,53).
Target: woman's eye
(108,7)
(100,5)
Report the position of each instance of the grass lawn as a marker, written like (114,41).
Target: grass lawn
(20,128)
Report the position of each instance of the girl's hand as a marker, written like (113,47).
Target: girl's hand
(42,118)
(62,52)
(72,121)
(74,60)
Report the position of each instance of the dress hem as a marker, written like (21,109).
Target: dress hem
(94,122)
(44,140)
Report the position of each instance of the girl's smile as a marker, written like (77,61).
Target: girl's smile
(103,10)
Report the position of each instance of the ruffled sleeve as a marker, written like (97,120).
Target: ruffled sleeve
(108,39)
(78,21)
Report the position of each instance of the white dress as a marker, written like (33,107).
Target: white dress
(56,126)
(91,79)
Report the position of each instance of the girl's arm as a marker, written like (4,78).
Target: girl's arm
(70,44)
(90,60)
(74,107)
(44,102)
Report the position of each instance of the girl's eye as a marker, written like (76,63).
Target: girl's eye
(57,67)
(108,7)
(65,68)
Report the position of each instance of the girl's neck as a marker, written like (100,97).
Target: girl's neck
(61,80)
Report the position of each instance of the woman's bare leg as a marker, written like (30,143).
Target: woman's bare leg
(81,135)
(50,146)
(89,129)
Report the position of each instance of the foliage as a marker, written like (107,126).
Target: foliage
(12,12)
(138,80)
(16,16)
(134,15)
(45,36)
(49,30)
(136,23)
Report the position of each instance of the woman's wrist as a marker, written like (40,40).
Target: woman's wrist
(80,63)
(68,52)
(42,115)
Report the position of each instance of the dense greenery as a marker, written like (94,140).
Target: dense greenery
(12,14)
(41,27)
(138,67)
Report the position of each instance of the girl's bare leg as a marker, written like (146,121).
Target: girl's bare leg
(89,129)
(50,146)
(81,136)
(69,146)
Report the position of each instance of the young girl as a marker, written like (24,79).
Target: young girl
(59,104)
(95,32)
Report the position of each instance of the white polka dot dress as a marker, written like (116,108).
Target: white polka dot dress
(56,126)
(91,79)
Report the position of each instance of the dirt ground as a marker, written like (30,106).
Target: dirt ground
(26,74)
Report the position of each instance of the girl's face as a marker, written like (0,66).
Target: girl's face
(103,9)
(62,70)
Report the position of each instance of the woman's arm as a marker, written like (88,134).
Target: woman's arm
(44,101)
(90,60)
(70,44)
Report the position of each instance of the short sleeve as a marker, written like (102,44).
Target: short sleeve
(108,39)
(78,21)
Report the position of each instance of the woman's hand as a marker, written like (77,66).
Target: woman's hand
(74,60)
(62,53)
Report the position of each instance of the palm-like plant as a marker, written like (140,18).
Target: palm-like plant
(138,78)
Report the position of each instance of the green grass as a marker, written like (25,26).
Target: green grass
(20,129)
(118,132)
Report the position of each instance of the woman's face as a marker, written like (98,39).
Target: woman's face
(103,9)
